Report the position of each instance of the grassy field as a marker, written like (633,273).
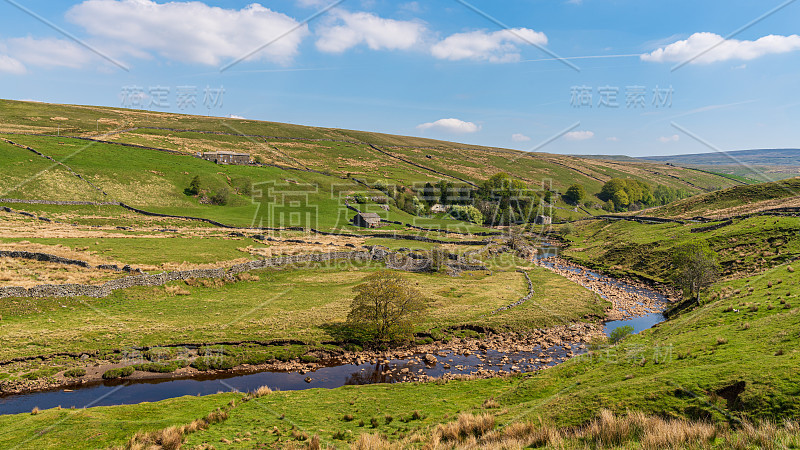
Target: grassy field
(281,305)
(678,369)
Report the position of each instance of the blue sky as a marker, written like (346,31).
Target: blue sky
(444,69)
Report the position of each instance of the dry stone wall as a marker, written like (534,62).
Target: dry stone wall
(105,289)
(44,257)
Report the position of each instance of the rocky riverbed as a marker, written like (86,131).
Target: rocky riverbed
(629,298)
(489,355)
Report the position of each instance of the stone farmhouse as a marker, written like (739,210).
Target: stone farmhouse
(224,157)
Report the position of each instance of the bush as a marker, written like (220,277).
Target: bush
(75,373)
(467,214)
(360,199)
(220,197)
(118,373)
(621,333)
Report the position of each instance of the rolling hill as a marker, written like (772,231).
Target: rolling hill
(334,152)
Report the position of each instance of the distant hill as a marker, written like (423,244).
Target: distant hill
(146,160)
(759,157)
(734,201)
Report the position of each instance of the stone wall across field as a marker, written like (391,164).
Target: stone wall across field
(160,279)
(44,257)
(105,289)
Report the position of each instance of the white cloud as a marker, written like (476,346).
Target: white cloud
(348,30)
(48,52)
(721,49)
(499,46)
(450,126)
(190,31)
(234,116)
(579,135)
(612,139)
(519,137)
(11,65)
(666,139)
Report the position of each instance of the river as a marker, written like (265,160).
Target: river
(331,375)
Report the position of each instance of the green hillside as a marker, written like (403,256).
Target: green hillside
(734,201)
(340,152)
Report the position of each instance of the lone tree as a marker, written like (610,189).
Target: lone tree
(438,258)
(696,268)
(194,186)
(575,194)
(385,309)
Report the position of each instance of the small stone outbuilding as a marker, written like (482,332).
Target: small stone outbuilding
(367,220)
(543,220)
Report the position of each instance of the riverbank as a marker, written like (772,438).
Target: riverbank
(475,352)
(630,298)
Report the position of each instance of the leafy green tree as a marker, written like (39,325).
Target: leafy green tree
(505,200)
(695,268)
(385,309)
(467,213)
(636,193)
(575,194)
(194,186)
(620,200)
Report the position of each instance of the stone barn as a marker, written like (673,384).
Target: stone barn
(543,220)
(226,157)
(367,220)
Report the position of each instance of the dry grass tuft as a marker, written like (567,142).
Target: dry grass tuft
(490,403)
(467,426)
(176,290)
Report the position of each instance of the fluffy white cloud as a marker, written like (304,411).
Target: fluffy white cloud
(348,30)
(48,52)
(579,135)
(499,46)
(699,43)
(190,31)
(450,126)
(673,138)
(519,137)
(11,65)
